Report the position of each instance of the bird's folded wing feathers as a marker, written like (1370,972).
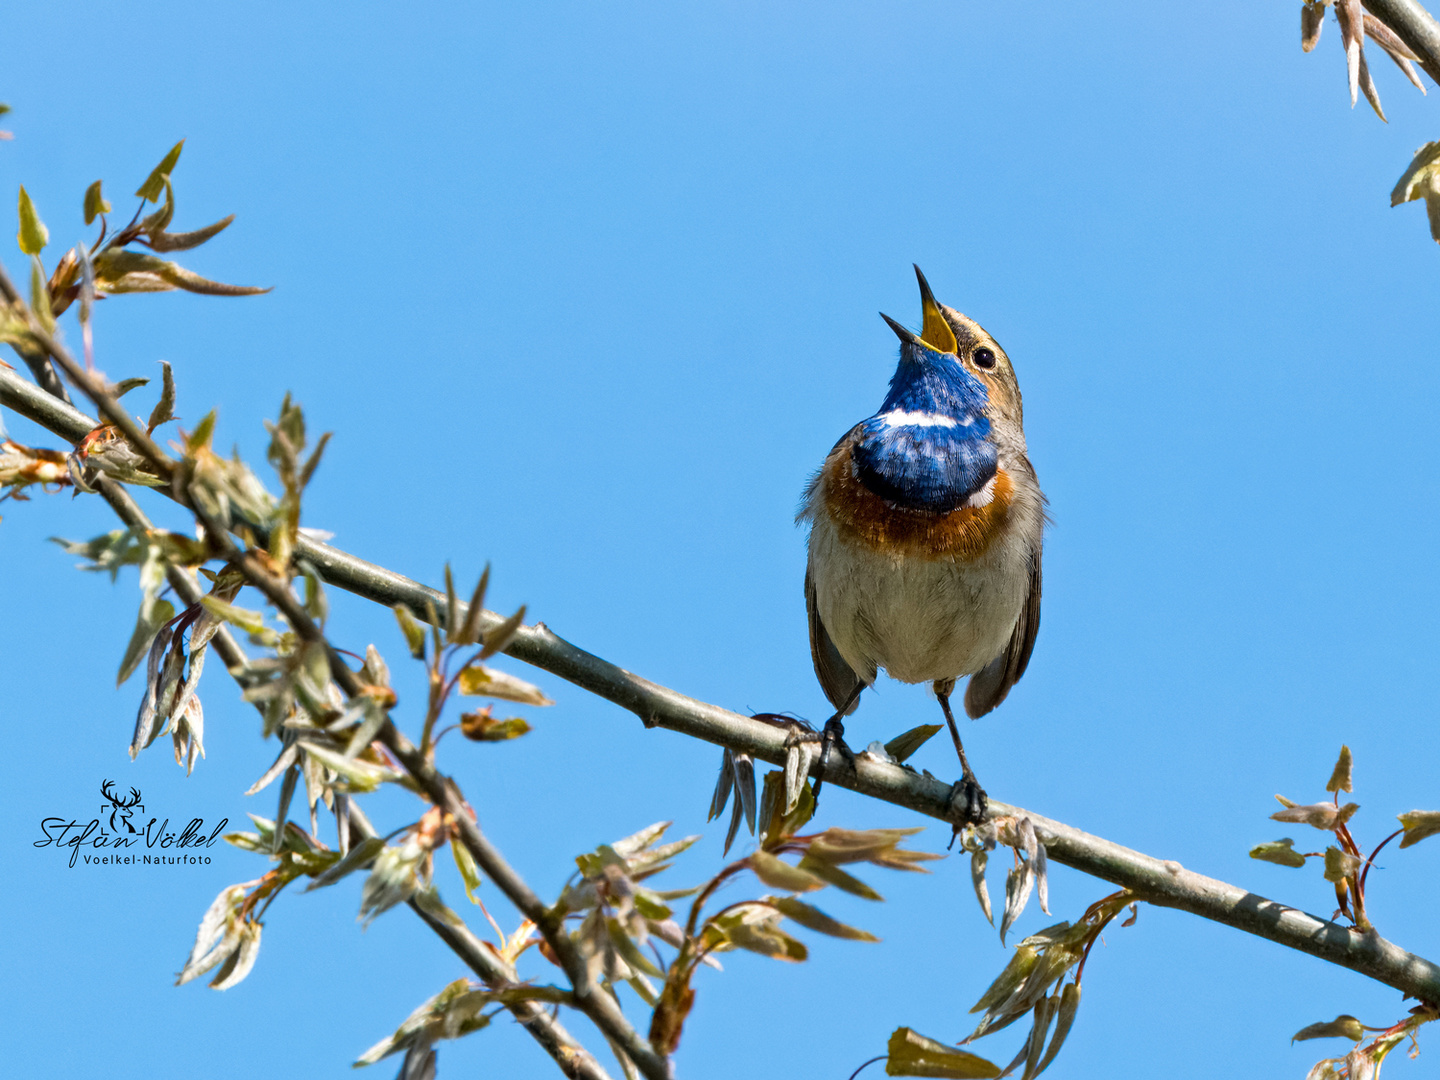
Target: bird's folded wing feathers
(990,684)
(837,678)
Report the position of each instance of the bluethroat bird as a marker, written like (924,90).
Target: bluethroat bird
(926,522)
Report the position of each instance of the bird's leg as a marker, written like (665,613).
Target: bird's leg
(832,736)
(967,795)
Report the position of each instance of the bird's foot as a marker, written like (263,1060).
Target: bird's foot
(968,799)
(831,738)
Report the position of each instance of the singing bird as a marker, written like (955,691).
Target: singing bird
(926,523)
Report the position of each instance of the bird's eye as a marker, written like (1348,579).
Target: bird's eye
(984,357)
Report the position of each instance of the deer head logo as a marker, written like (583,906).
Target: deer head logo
(121,807)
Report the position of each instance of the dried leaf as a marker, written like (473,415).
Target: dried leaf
(1349,13)
(1367,84)
(1396,49)
(909,1053)
(1280,852)
(1312,20)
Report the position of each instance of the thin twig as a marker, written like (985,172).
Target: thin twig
(572,1058)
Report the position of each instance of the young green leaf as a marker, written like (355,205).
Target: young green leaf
(164,408)
(912,1054)
(903,746)
(33,236)
(95,203)
(833,875)
(1280,852)
(482,727)
(161,612)
(1339,865)
(413,631)
(360,855)
(1418,824)
(478,681)
(1342,1027)
(1064,1019)
(1422,181)
(812,918)
(154,185)
(781,875)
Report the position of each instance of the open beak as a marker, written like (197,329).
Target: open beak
(935,333)
(936,330)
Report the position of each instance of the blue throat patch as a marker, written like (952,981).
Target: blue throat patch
(929,447)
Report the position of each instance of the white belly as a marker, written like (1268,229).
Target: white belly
(920,619)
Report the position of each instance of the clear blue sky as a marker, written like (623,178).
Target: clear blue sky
(587,291)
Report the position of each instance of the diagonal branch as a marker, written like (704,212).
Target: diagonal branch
(1155,880)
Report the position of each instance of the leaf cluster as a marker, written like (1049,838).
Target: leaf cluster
(1345,865)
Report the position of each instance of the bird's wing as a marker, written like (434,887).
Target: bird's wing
(837,678)
(990,684)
